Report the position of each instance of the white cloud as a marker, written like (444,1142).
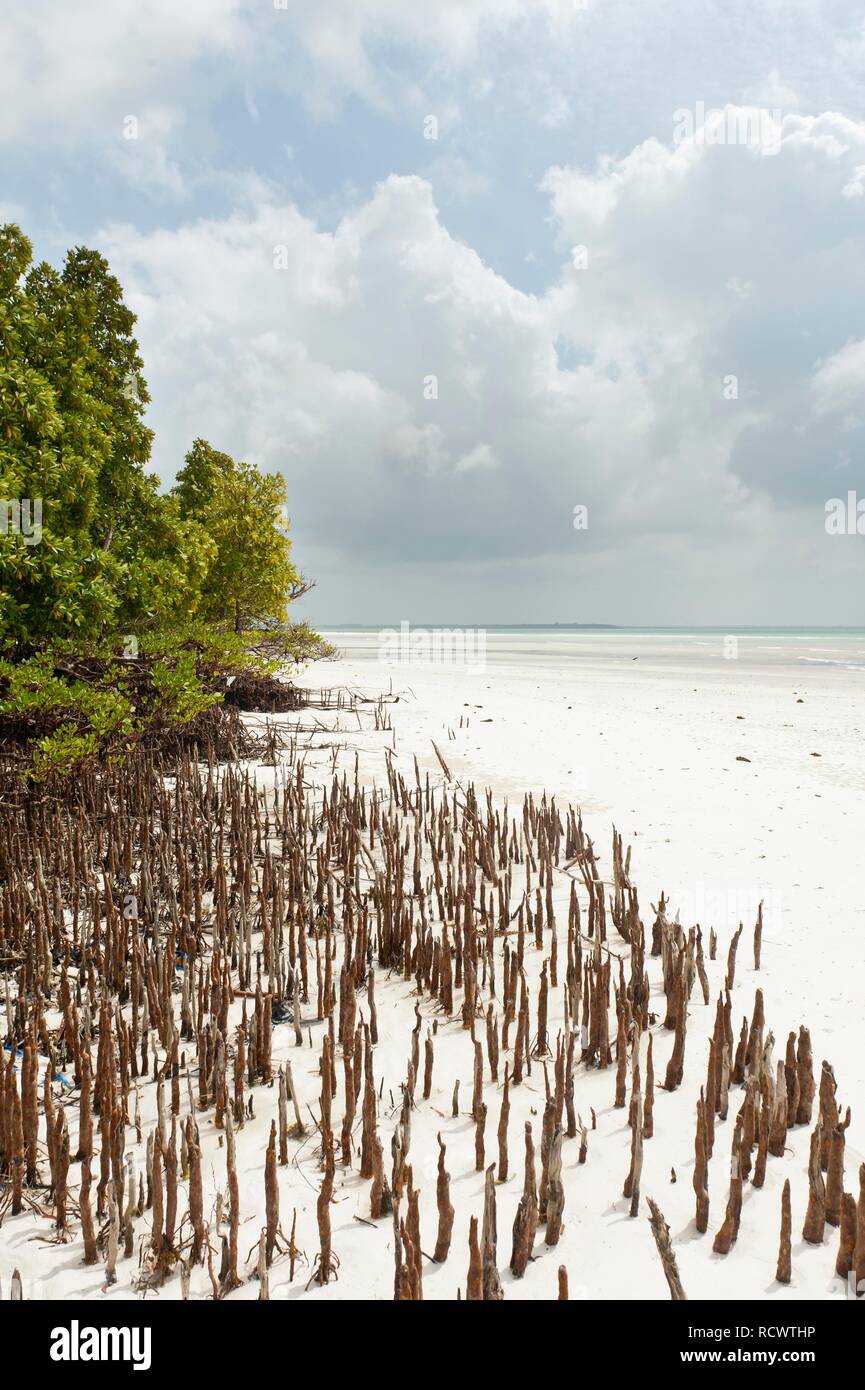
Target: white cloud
(480,457)
(320,369)
(305,339)
(141,155)
(73,70)
(582,202)
(773,91)
(838,382)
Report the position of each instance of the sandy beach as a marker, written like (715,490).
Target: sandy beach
(432,675)
(644,731)
(706,767)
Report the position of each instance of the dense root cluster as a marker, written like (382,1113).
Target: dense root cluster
(154,932)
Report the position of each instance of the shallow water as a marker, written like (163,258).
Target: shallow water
(559,646)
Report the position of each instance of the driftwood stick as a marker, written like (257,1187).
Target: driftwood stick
(492,1286)
(526,1219)
(701,1168)
(445,1208)
(475,1281)
(556,1193)
(783,1271)
(859,1247)
(847,1239)
(815,1216)
(661,1232)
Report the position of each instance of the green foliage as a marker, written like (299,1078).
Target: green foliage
(250,576)
(289,644)
(179,695)
(77,706)
(71,405)
(62,751)
(115,552)
(79,701)
(201,576)
(216,648)
(81,716)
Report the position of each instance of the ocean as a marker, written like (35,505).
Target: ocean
(560,645)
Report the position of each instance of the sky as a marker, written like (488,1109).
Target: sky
(547,310)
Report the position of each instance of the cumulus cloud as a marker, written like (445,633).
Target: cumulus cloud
(480,457)
(684,357)
(422,407)
(838,383)
(75,70)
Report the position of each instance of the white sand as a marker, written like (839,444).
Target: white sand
(651,746)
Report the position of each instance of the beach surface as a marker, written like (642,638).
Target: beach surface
(734,781)
(645,731)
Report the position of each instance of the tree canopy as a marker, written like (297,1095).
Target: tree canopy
(249,576)
(201,575)
(115,553)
